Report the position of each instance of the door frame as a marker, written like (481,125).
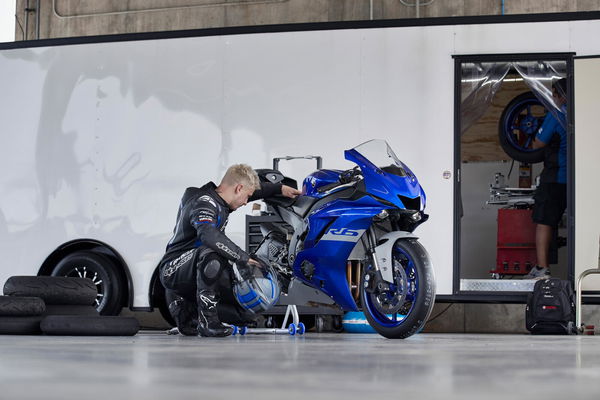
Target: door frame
(516,297)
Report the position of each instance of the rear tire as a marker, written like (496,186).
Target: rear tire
(518,126)
(415,282)
(102,271)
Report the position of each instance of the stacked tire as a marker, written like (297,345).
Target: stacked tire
(57,306)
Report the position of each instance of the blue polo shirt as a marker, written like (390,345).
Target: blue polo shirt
(550,127)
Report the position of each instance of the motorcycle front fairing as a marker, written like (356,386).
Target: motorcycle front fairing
(385,176)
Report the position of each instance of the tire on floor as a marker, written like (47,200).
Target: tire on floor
(20,325)
(67,309)
(83,325)
(21,306)
(53,289)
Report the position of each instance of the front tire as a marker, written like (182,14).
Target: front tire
(400,309)
(102,271)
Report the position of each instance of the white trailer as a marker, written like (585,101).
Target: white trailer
(101,135)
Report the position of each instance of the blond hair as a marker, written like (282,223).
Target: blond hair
(241,174)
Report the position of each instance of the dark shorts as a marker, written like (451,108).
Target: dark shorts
(550,203)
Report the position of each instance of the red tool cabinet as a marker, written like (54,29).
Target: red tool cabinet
(515,250)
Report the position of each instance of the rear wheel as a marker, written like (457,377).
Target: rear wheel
(102,271)
(400,309)
(519,123)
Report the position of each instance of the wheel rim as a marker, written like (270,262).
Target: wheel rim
(391,306)
(522,123)
(89,273)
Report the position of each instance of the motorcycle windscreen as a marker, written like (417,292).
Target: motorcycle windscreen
(385,175)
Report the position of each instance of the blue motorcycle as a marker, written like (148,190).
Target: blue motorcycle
(369,211)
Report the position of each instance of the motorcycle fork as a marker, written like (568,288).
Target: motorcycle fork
(373,278)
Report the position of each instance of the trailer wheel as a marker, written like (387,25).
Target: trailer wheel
(102,271)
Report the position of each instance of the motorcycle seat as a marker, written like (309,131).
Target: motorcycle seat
(303,204)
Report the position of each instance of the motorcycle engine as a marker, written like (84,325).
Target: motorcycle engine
(273,249)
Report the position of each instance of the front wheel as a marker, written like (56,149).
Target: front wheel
(400,309)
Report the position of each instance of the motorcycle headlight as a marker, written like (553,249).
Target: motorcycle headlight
(416,217)
(382,215)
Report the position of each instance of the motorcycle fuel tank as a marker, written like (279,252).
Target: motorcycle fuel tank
(318,179)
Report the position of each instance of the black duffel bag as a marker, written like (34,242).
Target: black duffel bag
(551,308)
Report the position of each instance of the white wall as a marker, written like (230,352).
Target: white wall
(102,139)
(587,166)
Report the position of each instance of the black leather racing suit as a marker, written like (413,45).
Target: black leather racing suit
(197,255)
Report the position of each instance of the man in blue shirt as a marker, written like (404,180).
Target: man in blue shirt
(551,195)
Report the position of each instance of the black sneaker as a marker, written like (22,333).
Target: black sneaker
(537,273)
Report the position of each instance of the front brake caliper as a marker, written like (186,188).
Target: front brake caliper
(370,281)
(374,283)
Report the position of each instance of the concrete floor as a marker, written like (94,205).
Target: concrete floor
(153,365)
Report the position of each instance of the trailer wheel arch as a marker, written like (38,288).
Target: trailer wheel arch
(100,248)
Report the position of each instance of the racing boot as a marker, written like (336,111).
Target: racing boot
(208,319)
(185,316)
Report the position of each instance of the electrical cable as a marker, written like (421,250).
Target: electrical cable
(512,164)
(20,26)
(440,313)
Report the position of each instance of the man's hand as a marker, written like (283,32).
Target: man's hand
(538,144)
(290,192)
(245,270)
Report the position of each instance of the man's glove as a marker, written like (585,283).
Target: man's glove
(243,271)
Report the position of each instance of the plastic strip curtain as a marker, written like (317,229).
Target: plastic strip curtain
(481,81)
(540,77)
(479,84)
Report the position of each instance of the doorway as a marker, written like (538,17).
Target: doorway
(501,102)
